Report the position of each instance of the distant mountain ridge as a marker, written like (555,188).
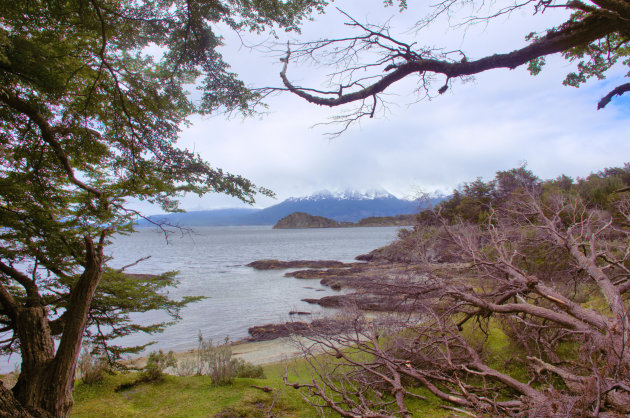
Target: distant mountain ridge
(345,195)
(347,206)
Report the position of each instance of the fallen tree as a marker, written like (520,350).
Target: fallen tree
(536,323)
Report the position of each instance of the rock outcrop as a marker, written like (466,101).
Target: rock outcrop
(270,264)
(304,220)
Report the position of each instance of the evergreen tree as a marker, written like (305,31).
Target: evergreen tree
(92,98)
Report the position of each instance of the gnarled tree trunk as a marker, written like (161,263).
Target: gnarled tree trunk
(44,387)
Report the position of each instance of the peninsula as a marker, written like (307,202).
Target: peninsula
(298,220)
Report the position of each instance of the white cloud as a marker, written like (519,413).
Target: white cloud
(498,121)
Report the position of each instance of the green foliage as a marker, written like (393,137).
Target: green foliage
(593,59)
(92,99)
(120,295)
(244,369)
(596,58)
(216,362)
(157,363)
(535,66)
(402,4)
(473,201)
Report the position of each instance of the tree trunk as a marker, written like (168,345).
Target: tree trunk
(44,387)
(36,382)
(9,406)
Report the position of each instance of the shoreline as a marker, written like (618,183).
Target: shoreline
(255,352)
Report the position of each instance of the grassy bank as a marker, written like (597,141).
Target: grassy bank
(190,396)
(194,396)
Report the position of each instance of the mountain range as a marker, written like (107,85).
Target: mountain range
(348,206)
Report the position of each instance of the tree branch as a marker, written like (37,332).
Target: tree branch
(571,34)
(617,91)
(32,291)
(48,135)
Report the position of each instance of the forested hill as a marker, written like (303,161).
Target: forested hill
(340,207)
(298,220)
(478,202)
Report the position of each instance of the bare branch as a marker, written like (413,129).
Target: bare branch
(617,91)
(575,33)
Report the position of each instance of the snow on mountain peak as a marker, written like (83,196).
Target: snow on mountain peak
(348,194)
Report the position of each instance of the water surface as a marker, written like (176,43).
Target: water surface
(212,262)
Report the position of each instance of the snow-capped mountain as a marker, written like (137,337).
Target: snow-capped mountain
(343,206)
(345,195)
(348,205)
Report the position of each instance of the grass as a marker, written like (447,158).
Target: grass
(194,396)
(190,396)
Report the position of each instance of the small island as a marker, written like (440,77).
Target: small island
(298,220)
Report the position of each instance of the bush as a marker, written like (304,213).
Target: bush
(156,364)
(186,367)
(218,364)
(248,370)
(90,367)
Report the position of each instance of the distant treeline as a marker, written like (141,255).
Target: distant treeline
(304,220)
(474,201)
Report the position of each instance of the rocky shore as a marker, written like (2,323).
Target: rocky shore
(358,279)
(269,264)
(273,342)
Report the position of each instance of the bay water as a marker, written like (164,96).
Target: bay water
(212,263)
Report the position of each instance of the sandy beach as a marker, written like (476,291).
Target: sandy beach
(260,352)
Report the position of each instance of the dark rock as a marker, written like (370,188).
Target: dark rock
(335,301)
(365,257)
(273,331)
(304,220)
(363,301)
(314,264)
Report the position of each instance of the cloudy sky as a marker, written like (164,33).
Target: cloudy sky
(498,121)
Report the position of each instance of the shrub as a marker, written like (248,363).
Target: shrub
(187,367)
(216,361)
(156,364)
(248,370)
(90,367)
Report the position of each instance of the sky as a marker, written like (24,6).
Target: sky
(500,120)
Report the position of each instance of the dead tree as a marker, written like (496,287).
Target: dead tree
(546,271)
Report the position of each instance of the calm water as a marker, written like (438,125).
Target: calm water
(211,262)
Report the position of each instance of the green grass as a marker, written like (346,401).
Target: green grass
(191,396)
(194,396)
